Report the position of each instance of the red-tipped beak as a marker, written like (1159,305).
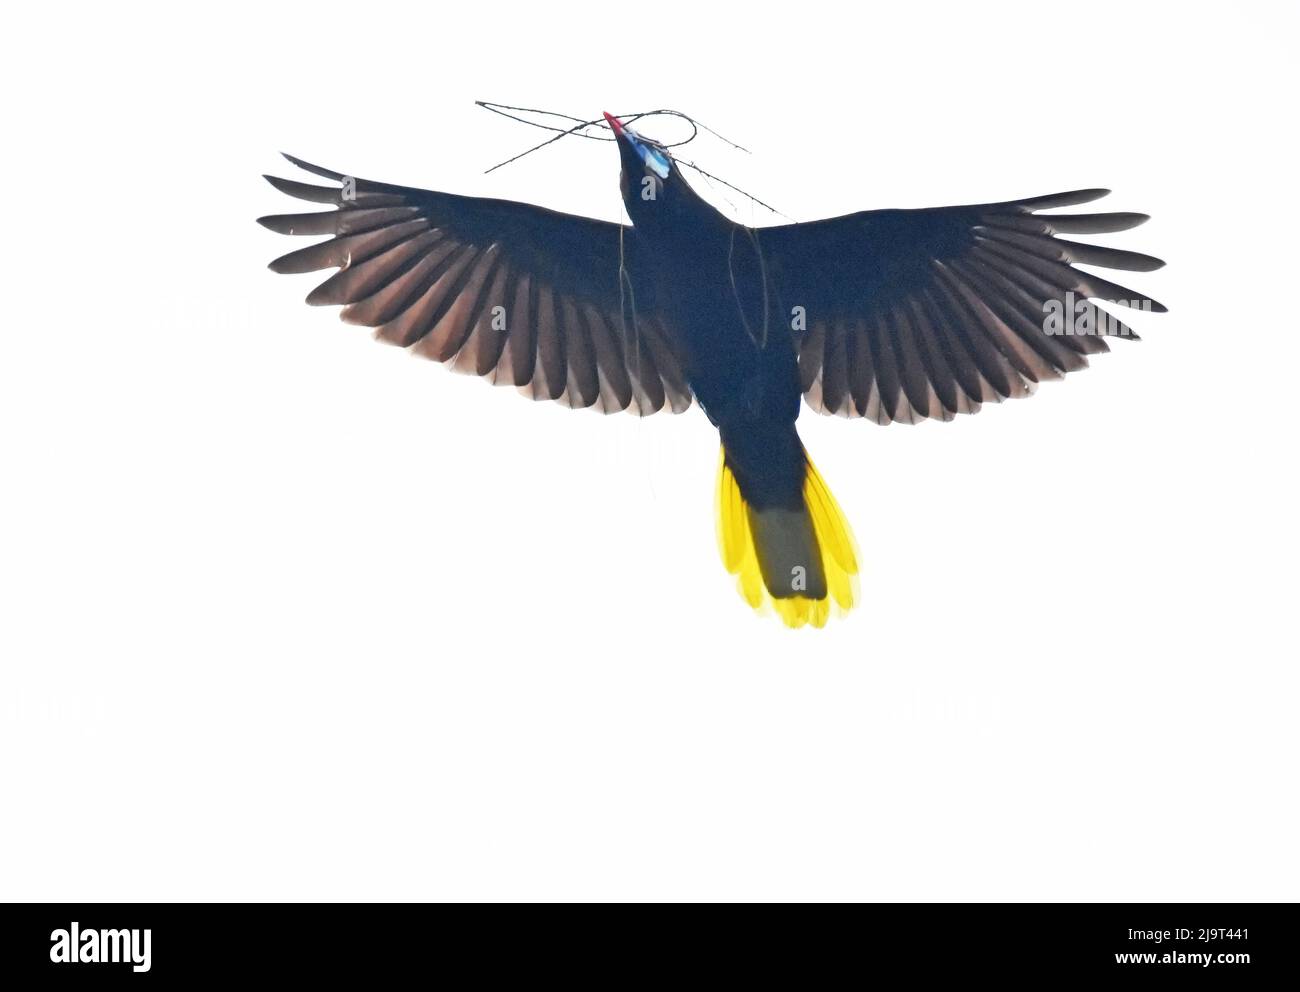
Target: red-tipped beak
(615,124)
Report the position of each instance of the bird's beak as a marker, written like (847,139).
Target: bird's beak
(615,124)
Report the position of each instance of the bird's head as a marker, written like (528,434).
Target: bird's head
(654,190)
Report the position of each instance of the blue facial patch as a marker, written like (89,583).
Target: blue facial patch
(655,160)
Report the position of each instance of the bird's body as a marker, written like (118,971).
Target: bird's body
(892,315)
(743,374)
(739,359)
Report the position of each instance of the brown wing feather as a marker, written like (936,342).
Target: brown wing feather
(514,293)
(916,314)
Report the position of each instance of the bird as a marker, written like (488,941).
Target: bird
(887,315)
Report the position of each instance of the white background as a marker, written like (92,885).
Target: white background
(291,615)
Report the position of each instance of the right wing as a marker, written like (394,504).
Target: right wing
(930,313)
(524,296)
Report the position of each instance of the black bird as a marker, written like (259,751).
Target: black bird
(889,315)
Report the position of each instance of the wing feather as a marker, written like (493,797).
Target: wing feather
(514,293)
(916,314)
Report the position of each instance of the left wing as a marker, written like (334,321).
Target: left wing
(929,313)
(521,295)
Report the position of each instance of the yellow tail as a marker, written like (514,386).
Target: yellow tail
(835,547)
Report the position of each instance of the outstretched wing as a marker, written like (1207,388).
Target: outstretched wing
(524,296)
(929,313)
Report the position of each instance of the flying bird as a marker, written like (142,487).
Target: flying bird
(892,316)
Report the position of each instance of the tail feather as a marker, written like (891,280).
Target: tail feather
(758,544)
